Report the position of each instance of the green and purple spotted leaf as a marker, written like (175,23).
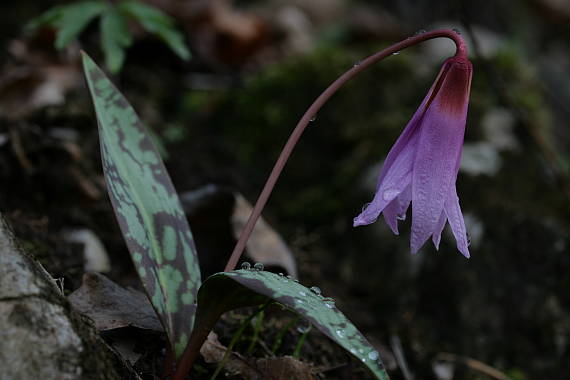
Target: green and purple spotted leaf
(147,208)
(229,290)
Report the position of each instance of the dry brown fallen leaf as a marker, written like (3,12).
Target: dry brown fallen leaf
(265,245)
(285,367)
(110,306)
(96,258)
(36,76)
(220,32)
(473,364)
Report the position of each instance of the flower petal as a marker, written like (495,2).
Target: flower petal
(438,152)
(396,210)
(456,221)
(410,130)
(436,237)
(396,179)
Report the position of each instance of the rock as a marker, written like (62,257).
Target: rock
(41,337)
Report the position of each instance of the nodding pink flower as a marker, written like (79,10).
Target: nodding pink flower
(421,168)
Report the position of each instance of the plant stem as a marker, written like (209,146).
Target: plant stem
(461,51)
(169,366)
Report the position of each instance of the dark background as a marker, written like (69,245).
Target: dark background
(223,117)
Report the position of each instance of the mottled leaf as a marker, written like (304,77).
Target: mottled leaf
(147,208)
(229,290)
(115,38)
(159,23)
(74,18)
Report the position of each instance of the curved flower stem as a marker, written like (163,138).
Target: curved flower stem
(461,51)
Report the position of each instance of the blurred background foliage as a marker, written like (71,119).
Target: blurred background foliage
(223,116)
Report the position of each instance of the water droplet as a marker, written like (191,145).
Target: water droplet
(302,294)
(373,355)
(340,333)
(289,277)
(281,274)
(245,265)
(421,31)
(401,216)
(299,301)
(396,53)
(258,266)
(313,118)
(304,329)
(295,280)
(361,350)
(363,360)
(468,239)
(316,290)
(353,351)
(356,64)
(456,31)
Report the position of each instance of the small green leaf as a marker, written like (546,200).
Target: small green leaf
(48,17)
(229,290)
(115,38)
(157,22)
(147,208)
(74,18)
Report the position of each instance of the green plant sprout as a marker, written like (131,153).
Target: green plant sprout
(72,19)
(161,245)
(236,338)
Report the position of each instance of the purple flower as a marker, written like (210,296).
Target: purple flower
(421,168)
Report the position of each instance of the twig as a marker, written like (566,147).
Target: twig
(474,364)
(396,345)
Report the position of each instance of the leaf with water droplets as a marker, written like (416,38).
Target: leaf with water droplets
(229,290)
(147,208)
